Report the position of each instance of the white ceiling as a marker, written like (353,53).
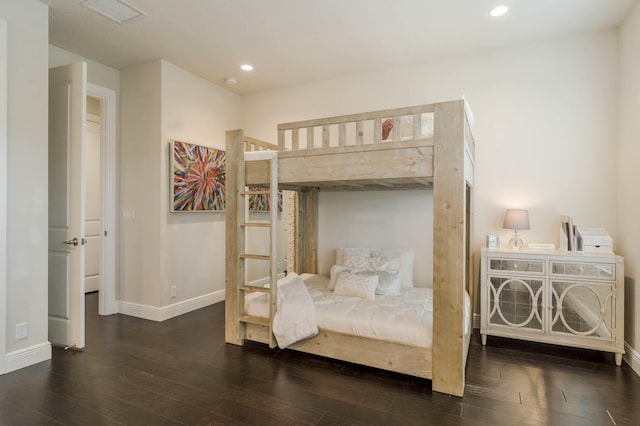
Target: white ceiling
(297,41)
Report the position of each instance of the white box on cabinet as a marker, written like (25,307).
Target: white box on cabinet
(594,240)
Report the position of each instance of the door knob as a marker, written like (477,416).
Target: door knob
(75,242)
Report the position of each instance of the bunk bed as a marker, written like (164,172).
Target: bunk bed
(381,150)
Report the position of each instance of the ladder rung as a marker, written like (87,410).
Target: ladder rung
(255,256)
(258,224)
(250,288)
(250,319)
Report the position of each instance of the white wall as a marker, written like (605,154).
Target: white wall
(3,190)
(628,175)
(159,249)
(140,185)
(545,130)
(27,193)
(97,73)
(193,245)
(350,219)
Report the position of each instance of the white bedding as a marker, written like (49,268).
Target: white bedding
(406,318)
(295,317)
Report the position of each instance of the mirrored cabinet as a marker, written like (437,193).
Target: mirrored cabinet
(551,296)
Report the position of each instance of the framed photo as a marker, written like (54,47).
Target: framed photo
(493,241)
(197,178)
(260,202)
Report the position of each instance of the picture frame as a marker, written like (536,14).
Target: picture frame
(197,178)
(493,241)
(260,202)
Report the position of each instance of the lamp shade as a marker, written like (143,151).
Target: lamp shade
(516,219)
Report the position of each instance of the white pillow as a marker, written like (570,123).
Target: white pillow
(406,257)
(358,285)
(351,251)
(376,263)
(385,263)
(333,274)
(355,261)
(389,283)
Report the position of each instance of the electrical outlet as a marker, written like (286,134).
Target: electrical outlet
(22,330)
(172,291)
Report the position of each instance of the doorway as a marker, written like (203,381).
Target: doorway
(100,207)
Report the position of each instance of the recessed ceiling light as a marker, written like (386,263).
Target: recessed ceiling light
(498,11)
(118,11)
(246,67)
(230,80)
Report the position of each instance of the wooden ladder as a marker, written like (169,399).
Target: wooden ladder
(270,289)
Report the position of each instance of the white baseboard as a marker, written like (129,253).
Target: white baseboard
(632,357)
(27,356)
(164,313)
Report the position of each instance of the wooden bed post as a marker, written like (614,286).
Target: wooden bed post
(234,241)
(307,232)
(449,210)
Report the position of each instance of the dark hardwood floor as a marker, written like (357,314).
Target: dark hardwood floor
(181,372)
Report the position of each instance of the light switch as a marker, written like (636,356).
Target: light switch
(128,214)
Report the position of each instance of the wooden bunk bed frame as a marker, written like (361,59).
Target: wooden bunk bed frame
(443,163)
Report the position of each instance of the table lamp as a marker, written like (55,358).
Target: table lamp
(516,219)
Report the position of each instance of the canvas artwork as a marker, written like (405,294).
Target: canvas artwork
(260,202)
(198,178)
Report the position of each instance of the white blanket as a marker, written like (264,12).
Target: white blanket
(295,318)
(404,319)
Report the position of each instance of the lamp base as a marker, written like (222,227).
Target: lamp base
(516,243)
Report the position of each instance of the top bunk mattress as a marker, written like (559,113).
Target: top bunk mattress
(406,319)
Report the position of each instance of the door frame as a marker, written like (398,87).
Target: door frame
(107,304)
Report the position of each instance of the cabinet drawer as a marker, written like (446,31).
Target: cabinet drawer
(601,271)
(527,266)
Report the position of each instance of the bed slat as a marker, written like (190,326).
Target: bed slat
(294,139)
(281,146)
(417,126)
(326,136)
(397,128)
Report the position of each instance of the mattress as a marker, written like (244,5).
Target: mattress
(406,318)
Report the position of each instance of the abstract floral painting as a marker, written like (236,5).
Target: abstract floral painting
(260,202)
(198,178)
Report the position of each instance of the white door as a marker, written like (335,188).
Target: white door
(93,207)
(67,116)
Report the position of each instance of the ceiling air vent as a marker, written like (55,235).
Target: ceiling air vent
(117,10)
